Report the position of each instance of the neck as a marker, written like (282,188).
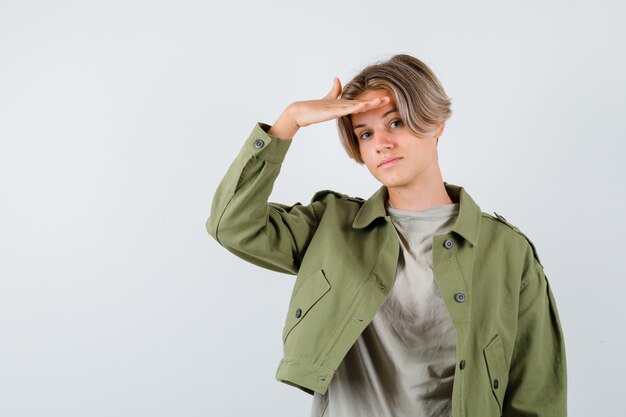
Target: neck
(420,196)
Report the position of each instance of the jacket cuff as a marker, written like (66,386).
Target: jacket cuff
(267,147)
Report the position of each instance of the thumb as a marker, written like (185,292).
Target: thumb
(335,90)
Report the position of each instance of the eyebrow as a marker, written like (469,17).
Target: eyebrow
(394,110)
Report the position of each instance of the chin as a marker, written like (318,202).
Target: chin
(390,183)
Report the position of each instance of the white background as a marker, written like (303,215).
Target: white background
(119,118)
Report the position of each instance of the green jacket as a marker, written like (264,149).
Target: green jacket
(344,251)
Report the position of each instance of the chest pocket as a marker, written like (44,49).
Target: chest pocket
(496,368)
(304,298)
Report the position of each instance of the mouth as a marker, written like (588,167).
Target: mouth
(389,162)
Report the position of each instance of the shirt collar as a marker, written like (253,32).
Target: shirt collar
(467,221)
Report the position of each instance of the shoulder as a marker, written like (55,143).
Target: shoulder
(325,195)
(503,226)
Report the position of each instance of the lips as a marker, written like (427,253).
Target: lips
(389,161)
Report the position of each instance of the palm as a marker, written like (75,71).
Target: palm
(309,112)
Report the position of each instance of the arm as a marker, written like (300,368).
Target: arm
(537,376)
(272,235)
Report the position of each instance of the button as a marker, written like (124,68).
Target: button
(495,384)
(462,364)
(459,297)
(298,313)
(259,143)
(447,243)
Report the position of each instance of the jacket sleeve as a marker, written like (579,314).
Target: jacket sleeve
(271,235)
(537,376)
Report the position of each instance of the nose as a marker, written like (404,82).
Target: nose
(383,141)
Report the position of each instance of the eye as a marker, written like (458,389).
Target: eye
(396,123)
(364,135)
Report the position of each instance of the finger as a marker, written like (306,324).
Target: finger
(335,90)
(367,105)
(371,103)
(345,107)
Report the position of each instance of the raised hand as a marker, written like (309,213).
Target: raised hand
(308,112)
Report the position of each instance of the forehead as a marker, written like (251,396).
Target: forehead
(369,117)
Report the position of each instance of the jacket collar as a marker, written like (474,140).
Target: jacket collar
(467,220)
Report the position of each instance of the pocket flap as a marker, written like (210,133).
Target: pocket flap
(305,297)
(497,370)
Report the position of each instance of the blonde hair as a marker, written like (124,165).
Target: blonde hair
(420,99)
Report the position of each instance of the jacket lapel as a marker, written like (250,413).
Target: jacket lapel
(466,226)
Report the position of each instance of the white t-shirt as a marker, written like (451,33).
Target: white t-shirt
(403,363)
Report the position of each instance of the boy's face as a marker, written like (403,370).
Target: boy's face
(392,153)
